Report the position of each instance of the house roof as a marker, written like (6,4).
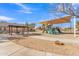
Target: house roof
(5,24)
(18,25)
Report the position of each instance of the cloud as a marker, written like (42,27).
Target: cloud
(5,18)
(74,3)
(22,22)
(24,9)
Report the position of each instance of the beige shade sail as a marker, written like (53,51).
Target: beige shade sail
(57,21)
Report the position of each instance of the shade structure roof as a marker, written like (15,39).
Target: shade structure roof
(57,21)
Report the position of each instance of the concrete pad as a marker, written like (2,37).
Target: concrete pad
(9,48)
(4,44)
(51,54)
(29,52)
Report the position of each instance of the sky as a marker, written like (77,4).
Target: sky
(30,12)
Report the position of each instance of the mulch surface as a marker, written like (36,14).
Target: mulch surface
(47,46)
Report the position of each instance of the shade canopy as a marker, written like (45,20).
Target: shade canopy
(57,21)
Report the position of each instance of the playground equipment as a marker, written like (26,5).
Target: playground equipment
(53,31)
(48,29)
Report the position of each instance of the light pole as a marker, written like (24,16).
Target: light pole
(74,26)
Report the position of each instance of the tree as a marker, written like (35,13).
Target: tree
(77,25)
(32,26)
(26,24)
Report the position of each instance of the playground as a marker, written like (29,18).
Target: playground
(51,41)
(56,35)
